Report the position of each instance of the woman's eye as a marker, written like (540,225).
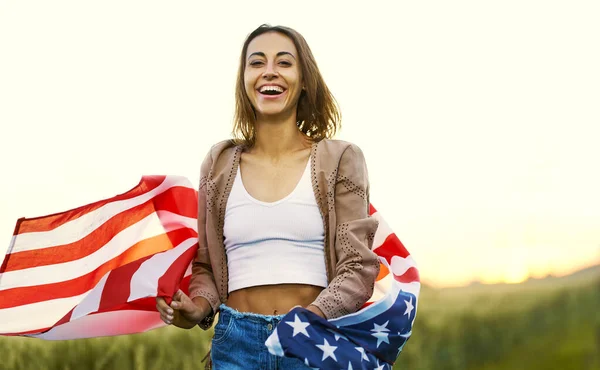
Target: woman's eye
(285,63)
(255,63)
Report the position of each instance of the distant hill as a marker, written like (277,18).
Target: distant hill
(591,272)
(485,298)
(583,276)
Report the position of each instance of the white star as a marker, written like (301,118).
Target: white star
(327,350)
(299,326)
(350,366)
(379,333)
(380,328)
(362,353)
(407,335)
(379,366)
(337,335)
(409,307)
(307,364)
(381,337)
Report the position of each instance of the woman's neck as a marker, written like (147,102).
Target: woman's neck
(278,137)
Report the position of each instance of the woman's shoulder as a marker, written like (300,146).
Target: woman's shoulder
(216,151)
(335,149)
(221,146)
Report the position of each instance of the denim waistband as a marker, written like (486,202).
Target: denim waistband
(250,316)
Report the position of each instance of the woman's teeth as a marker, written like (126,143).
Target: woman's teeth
(271,90)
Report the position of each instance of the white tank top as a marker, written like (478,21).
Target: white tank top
(274,242)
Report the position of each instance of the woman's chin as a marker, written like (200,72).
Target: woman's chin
(270,114)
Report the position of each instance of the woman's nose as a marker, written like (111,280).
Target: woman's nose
(270,71)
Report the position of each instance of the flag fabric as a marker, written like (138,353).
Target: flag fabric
(371,338)
(96,270)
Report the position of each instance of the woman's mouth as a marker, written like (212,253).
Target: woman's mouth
(271,91)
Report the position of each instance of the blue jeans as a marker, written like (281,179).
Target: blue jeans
(239,343)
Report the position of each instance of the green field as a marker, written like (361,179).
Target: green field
(551,323)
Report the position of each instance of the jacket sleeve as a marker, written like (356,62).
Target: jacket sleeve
(357,265)
(202,281)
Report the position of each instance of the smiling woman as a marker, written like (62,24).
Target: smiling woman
(283,211)
(279,59)
(272,77)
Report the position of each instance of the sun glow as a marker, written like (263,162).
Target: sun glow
(516,274)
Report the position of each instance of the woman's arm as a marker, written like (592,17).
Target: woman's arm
(188,311)
(203,290)
(357,265)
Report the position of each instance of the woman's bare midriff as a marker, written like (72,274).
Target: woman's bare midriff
(272,299)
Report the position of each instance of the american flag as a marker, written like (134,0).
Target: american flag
(371,338)
(96,270)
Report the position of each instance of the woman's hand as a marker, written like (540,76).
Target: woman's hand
(314,309)
(182,312)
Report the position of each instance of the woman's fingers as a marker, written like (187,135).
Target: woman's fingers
(182,312)
(166,320)
(180,302)
(178,299)
(183,303)
(163,307)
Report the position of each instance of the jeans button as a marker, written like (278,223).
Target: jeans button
(269,326)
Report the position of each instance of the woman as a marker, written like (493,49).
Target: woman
(283,211)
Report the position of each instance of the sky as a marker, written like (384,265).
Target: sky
(479,121)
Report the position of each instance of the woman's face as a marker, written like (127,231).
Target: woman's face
(272,75)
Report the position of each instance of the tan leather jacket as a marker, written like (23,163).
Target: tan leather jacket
(341,186)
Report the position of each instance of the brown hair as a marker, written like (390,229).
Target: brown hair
(318,115)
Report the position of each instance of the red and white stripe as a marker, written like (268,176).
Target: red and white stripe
(396,266)
(96,269)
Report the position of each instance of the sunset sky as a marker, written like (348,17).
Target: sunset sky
(480,121)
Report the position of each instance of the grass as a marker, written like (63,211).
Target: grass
(160,349)
(549,324)
(555,329)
